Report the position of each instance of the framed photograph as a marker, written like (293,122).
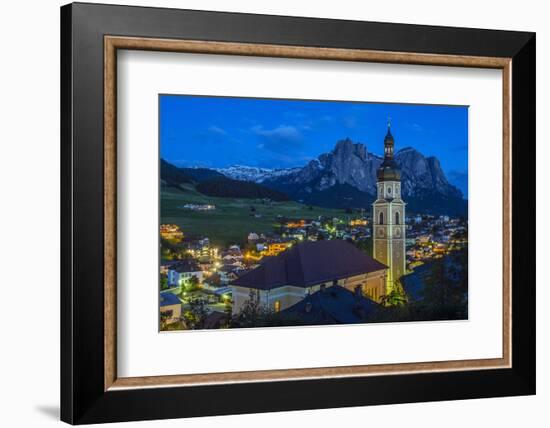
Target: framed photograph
(266,213)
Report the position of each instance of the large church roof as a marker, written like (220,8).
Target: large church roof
(310,263)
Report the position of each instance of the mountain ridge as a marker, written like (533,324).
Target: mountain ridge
(212,183)
(345,177)
(253,173)
(424,182)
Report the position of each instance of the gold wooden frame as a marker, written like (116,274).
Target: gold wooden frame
(113,43)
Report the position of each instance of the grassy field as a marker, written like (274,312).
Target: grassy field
(231,221)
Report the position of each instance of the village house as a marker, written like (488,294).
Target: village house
(234,251)
(253,237)
(275,248)
(297,234)
(424,239)
(166,265)
(282,281)
(202,250)
(171,232)
(232,262)
(296,224)
(170,307)
(183,271)
(227,277)
(334,305)
(199,207)
(358,222)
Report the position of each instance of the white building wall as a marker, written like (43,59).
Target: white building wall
(175,277)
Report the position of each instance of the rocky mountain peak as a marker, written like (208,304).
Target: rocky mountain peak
(347,163)
(422,174)
(350,164)
(347,148)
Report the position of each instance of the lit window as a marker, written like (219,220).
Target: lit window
(277,305)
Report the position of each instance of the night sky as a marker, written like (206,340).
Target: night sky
(219,132)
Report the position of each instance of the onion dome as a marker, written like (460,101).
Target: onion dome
(388,171)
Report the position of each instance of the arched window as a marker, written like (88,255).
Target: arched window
(381,218)
(397,217)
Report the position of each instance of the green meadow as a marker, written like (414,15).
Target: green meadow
(233,219)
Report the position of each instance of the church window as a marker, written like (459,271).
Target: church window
(397,217)
(381,218)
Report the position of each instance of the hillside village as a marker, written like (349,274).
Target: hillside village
(196,276)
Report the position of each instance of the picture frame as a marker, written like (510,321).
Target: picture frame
(91,391)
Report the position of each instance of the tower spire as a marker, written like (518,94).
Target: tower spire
(388,143)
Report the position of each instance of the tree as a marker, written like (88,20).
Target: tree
(228,310)
(445,294)
(164,318)
(178,325)
(163,282)
(396,297)
(215,279)
(193,283)
(436,228)
(190,284)
(459,235)
(254,314)
(195,316)
(364,245)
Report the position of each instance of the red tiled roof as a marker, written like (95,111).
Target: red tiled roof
(310,263)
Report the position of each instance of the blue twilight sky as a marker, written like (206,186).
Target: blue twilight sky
(274,133)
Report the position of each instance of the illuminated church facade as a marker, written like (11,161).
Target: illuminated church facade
(389,216)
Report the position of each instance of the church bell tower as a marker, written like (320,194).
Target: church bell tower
(388,215)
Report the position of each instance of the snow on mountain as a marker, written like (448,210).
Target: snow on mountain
(254,174)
